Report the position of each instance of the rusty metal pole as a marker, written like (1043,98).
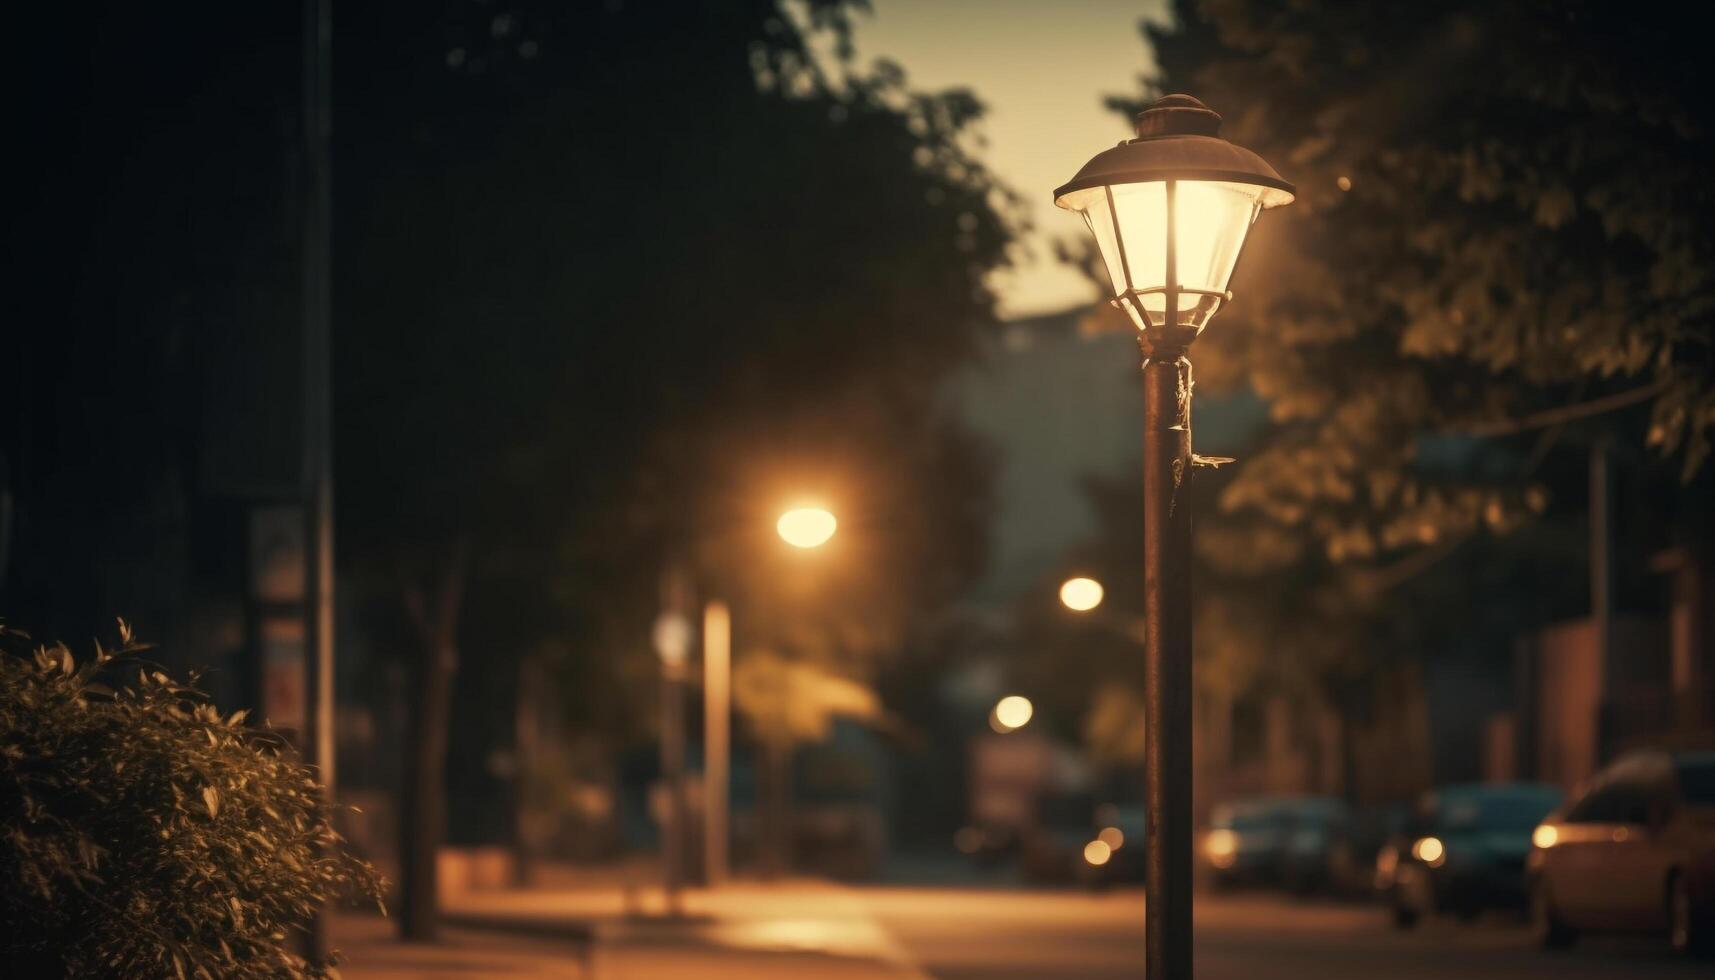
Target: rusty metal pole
(1167,467)
(717,738)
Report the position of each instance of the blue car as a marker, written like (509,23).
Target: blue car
(1464,851)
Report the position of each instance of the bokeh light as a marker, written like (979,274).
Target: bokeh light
(1430,851)
(1013,712)
(1081,594)
(1096,853)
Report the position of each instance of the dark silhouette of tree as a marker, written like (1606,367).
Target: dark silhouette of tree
(611,281)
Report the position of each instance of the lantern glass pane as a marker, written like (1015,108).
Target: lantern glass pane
(1210,222)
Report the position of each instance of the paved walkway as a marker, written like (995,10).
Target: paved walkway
(602,930)
(370,951)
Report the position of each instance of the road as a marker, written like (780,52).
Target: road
(960,929)
(997,934)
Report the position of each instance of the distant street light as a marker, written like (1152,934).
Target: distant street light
(806,527)
(1081,594)
(672,640)
(1170,211)
(1011,713)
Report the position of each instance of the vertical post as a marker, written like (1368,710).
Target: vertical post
(1167,659)
(1602,586)
(672,642)
(673,772)
(318,461)
(717,723)
(526,736)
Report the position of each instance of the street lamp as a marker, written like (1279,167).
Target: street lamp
(1170,211)
(803,527)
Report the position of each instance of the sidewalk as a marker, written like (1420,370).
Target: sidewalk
(370,951)
(594,927)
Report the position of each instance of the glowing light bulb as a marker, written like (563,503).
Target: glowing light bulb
(806,527)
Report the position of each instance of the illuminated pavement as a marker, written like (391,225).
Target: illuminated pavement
(976,934)
(810,929)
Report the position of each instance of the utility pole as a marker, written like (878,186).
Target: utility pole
(318,737)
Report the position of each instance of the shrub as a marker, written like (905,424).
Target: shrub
(144,835)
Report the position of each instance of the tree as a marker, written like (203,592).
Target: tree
(1499,244)
(597,268)
(1502,210)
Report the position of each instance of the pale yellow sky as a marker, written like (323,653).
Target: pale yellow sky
(1042,67)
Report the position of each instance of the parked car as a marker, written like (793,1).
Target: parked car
(1051,849)
(1119,828)
(1245,842)
(1464,850)
(1315,853)
(1634,852)
(1374,839)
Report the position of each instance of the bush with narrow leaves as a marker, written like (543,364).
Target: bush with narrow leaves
(144,835)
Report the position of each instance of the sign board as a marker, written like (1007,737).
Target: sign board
(277,570)
(283,671)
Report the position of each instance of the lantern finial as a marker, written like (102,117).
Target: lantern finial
(1178,115)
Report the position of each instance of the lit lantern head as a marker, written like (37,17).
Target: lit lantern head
(1170,210)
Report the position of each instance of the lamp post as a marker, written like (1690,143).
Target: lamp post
(1170,210)
(804,528)
(672,638)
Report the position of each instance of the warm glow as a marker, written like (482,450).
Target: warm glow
(1430,851)
(806,527)
(1113,837)
(672,636)
(1222,846)
(1210,221)
(1387,861)
(1013,712)
(1545,836)
(1096,853)
(1081,594)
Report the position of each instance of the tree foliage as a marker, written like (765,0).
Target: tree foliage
(1503,209)
(664,272)
(143,834)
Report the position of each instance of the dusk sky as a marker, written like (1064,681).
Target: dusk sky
(1042,70)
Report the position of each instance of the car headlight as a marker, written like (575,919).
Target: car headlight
(1096,853)
(1221,847)
(1430,851)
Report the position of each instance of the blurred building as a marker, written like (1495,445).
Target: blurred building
(1577,709)
(1063,403)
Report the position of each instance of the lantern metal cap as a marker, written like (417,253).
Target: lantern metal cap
(1178,139)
